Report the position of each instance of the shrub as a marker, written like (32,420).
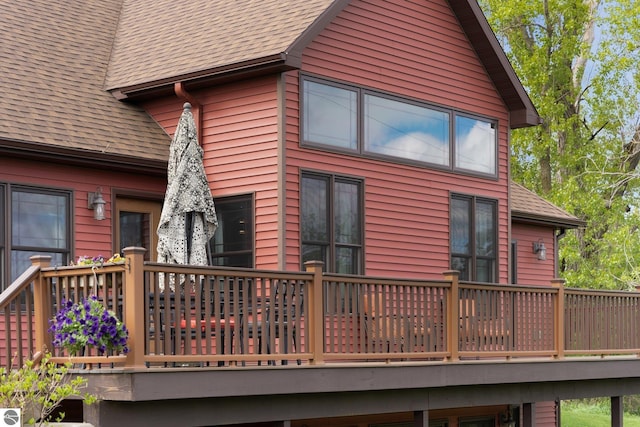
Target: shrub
(38,389)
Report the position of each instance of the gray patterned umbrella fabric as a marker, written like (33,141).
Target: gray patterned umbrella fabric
(188,218)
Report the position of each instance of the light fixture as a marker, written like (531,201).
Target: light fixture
(96,203)
(540,249)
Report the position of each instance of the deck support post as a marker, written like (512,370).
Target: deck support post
(453,315)
(617,411)
(41,304)
(134,306)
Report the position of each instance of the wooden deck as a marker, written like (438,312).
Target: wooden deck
(181,316)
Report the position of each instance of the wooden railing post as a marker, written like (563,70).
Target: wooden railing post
(315,322)
(558,318)
(453,314)
(41,304)
(133,289)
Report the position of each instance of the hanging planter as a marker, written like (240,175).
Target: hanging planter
(86,325)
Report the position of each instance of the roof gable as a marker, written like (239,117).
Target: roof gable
(208,39)
(163,41)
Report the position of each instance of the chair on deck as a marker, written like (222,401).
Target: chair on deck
(274,317)
(210,316)
(483,329)
(388,332)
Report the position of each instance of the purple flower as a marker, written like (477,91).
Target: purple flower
(88,323)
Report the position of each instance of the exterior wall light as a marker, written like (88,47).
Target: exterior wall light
(540,249)
(96,203)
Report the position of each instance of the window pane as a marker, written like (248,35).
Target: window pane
(330,115)
(39,220)
(315,253)
(347,260)
(232,243)
(347,213)
(485,229)
(475,145)
(484,270)
(234,222)
(314,207)
(20,261)
(460,226)
(462,265)
(134,229)
(404,130)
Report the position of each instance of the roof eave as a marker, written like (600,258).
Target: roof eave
(479,33)
(259,66)
(555,222)
(85,158)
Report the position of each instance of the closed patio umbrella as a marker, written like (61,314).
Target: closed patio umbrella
(188,218)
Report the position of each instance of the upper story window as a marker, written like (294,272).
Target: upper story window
(232,243)
(369,123)
(331,222)
(34,222)
(474,238)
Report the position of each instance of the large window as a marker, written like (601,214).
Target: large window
(473,238)
(331,222)
(368,123)
(232,243)
(37,222)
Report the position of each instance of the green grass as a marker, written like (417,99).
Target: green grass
(584,415)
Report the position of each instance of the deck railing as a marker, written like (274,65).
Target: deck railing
(203,316)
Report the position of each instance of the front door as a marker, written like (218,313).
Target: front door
(136,224)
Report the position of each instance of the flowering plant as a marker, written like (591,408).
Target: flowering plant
(98,260)
(88,323)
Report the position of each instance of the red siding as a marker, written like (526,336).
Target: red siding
(240,137)
(90,237)
(546,414)
(531,270)
(419,51)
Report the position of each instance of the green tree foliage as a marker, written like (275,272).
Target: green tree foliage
(579,61)
(38,389)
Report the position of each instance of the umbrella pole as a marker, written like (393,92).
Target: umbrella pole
(188,225)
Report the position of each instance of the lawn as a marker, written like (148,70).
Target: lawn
(583,415)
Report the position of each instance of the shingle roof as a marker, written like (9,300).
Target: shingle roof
(53,59)
(161,42)
(59,59)
(162,39)
(529,207)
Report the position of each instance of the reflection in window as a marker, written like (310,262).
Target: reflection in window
(232,243)
(330,115)
(39,223)
(405,130)
(331,222)
(473,238)
(374,124)
(475,145)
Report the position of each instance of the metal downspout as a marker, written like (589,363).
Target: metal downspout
(196,107)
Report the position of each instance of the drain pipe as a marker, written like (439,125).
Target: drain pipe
(182,93)
(562,232)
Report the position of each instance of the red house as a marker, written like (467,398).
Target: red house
(371,135)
